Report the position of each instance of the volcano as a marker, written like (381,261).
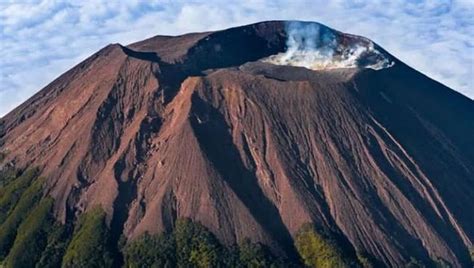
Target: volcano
(254,132)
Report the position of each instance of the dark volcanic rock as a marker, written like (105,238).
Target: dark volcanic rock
(195,126)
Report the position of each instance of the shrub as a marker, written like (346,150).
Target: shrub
(7,174)
(317,250)
(192,245)
(89,244)
(365,260)
(441,263)
(27,201)
(32,237)
(414,263)
(255,255)
(12,189)
(195,245)
(58,240)
(3,155)
(151,251)
(28,232)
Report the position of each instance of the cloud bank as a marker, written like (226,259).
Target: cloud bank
(41,39)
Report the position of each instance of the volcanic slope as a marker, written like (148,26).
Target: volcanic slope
(198,126)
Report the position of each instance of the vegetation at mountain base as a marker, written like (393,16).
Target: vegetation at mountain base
(441,263)
(151,251)
(11,189)
(192,245)
(28,231)
(365,260)
(414,263)
(436,262)
(257,255)
(7,172)
(23,196)
(6,176)
(31,237)
(318,250)
(58,240)
(2,156)
(195,245)
(89,245)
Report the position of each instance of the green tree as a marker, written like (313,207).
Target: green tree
(3,155)
(317,250)
(11,189)
(32,236)
(8,230)
(255,255)
(58,240)
(89,246)
(414,263)
(151,251)
(195,245)
(7,174)
(441,263)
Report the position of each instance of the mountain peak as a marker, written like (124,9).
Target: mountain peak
(293,43)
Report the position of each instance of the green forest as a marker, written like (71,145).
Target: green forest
(31,237)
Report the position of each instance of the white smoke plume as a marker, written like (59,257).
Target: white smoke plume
(314,46)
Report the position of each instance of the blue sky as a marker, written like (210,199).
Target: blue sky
(41,39)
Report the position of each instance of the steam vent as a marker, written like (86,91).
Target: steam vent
(315,46)
(257,139)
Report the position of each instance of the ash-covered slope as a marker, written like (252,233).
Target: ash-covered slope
(219,127)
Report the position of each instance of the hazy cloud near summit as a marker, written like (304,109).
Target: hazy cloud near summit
(39,40)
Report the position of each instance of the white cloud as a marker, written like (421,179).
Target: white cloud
(40,39)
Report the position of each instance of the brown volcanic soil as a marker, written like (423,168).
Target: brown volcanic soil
(191,126)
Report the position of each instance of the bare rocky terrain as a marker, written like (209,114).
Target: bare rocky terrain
(197,126)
